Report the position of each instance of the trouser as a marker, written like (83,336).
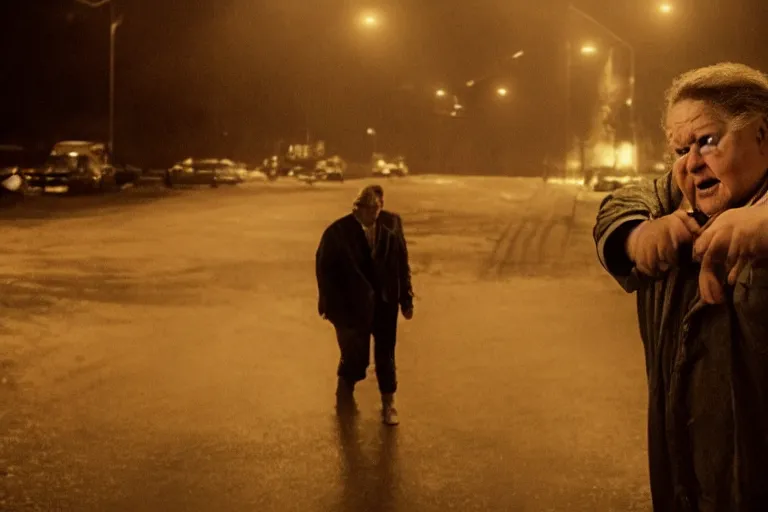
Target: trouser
(355,348)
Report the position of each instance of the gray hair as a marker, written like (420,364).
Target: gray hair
(737,92)
(368,196)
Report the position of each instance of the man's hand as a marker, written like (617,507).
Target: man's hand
(408,313)
(728,243)
(653,246)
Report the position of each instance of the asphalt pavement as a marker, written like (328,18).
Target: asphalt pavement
(161,351)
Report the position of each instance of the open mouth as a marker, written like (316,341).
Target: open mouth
(707,184)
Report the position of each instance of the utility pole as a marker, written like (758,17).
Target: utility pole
(114,24)
(632,70)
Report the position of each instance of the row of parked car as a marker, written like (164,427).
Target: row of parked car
(78,167)
(607,179)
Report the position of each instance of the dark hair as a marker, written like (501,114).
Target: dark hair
(737,92)
(368,196)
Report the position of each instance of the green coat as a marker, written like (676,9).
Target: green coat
(707,368)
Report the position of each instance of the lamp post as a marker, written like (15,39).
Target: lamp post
(114,24)
(372,133)
(588,50)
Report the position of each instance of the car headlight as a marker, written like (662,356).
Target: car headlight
(13,183)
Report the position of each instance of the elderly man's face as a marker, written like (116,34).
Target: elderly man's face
(368,213)
(717,166)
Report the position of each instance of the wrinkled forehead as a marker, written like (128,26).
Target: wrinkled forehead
(687,120)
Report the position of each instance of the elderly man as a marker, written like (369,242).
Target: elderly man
(364,281)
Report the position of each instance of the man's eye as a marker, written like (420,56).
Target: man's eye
(682,151)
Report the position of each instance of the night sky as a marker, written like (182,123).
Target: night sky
(236,77)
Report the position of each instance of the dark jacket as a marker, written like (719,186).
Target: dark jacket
(707,368)
(351,280)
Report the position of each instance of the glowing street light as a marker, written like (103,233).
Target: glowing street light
(665,8)
(502,91)
(440,93)
(371,21)
(590,50)
(373,134)
(518,54)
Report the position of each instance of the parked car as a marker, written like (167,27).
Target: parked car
(332,169)
(606,179)
(250,172)
(208,171)
(74,167)
(396,167)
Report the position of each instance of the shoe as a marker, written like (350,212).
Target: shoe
(388,411)
(389,416)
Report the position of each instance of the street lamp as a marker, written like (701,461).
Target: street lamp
(632,64)
(372,133)
(588,49)
(371,21)
(502,91)
(665,8)
(114,24)
(440,93)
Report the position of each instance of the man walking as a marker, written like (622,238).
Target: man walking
(364,281)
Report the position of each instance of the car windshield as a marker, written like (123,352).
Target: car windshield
(202,165)
(62,161)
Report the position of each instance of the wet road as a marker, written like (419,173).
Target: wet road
(161,352)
